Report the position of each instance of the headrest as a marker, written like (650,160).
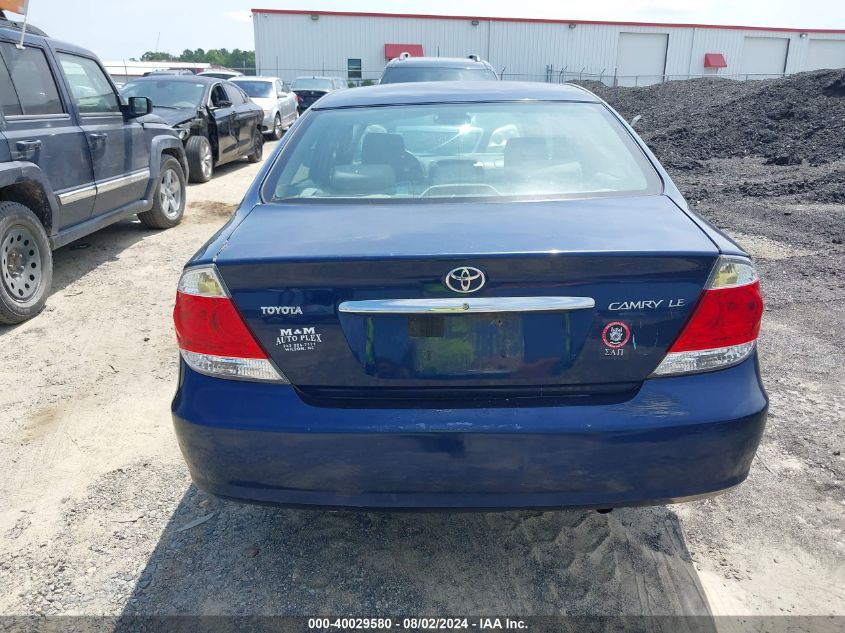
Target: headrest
(381,149)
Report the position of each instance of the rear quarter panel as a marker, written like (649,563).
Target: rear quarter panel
(725,244)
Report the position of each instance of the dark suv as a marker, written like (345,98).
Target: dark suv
(74,158)
(405,69)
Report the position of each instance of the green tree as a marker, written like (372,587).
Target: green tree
(151,56)
(242,60)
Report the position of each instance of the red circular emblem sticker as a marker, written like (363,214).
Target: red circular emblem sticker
(615,334)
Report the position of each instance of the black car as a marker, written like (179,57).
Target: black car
(309,89)
(214,118)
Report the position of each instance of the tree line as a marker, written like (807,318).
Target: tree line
(218,56)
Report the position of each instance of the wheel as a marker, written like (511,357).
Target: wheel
(169,197)
(200,159)
(277,132)
(257,147)
(27,264)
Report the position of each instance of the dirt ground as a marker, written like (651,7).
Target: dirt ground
(99,516)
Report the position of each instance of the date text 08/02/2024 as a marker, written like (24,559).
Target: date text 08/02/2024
(416,624)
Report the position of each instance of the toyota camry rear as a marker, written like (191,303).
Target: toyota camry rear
(467,296)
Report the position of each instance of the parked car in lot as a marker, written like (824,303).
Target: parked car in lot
(276,99)
(467,295)
(169,71)
(221,73)
(407,69)
(74,158)
(216,120)
(309,89)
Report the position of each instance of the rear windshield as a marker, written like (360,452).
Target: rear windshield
(166,93)
(257,89)
(312,84)
(539,150)
(403,74)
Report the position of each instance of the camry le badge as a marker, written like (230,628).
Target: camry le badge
(465,279)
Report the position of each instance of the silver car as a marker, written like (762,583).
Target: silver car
(275,98)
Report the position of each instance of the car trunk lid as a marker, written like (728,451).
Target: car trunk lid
(579,296)
(308,97)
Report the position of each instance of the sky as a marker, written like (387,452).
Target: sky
(120,29)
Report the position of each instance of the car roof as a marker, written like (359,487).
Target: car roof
(186,78)
(315,77)
(442,62)
(11,29)
(253,78)
(454,92)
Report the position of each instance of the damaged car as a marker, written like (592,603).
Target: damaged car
(216,120)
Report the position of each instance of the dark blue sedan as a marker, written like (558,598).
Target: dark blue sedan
(481,295)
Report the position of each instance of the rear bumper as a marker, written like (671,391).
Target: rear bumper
(268,121)
(677,438)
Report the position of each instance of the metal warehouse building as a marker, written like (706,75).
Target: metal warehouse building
(356,46)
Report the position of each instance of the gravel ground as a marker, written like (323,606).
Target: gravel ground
(100,516)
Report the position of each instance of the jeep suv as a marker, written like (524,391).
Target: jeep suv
(74,158)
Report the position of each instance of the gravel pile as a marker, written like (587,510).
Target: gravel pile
(797,121)
(786,121)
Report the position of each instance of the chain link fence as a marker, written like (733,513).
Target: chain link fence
(611,79)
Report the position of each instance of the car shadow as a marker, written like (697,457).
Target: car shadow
(256,560)
(235,165)
(75,260)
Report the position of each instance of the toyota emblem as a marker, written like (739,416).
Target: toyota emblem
(465,279)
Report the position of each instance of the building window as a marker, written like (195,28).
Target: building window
(353,68)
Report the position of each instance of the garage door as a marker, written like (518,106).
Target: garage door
(825,54)
(641,58)
(764,56)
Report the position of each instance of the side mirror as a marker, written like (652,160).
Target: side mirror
(138,106)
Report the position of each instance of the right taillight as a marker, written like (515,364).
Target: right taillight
(213,338)
(724,325)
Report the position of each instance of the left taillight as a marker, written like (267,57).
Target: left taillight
(213,338)
(724,325)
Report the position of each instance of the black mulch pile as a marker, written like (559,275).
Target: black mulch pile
(794,121)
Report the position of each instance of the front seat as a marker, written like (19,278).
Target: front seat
(380,148)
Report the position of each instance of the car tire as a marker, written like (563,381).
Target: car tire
(200,159)
(257,147)
(27,264)
(168,198)
(277,131)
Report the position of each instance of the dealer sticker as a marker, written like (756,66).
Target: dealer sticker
(301,339)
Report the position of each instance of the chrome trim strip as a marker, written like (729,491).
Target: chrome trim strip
(104,186)
(38,117)
(75,195)
(466,305)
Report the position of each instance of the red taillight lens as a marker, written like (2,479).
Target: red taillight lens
(298,99)
(213,338)
(723,328)
(723,317)
(212,325)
